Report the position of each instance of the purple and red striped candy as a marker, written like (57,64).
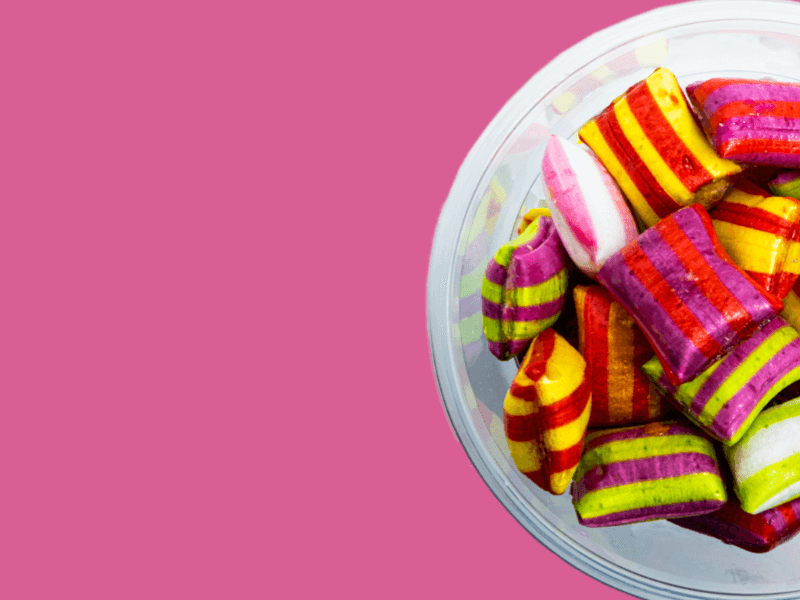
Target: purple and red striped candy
(687,295)
(754,533)
(750,121)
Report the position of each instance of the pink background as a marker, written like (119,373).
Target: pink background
(214,239)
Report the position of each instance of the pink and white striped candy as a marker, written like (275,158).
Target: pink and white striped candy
(587,207)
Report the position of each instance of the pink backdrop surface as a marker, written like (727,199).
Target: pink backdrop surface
(216,225)
(391,505)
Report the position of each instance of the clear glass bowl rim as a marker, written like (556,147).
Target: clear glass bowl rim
(444,267)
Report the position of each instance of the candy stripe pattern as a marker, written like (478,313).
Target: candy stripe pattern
(725,398)
(749,120)
(787,184)
(652,146)
(523,288)
(791,308)
(615,349)
(690,300)
(761,233)
(588,209)
(546,411)
(531,216)
(754,533)
(766,461)
(656,471)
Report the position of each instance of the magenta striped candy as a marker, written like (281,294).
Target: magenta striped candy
(726,397)
(689,298)
(749,120)
(754,533)
(524,288)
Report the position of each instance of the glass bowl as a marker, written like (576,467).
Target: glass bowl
(497,183)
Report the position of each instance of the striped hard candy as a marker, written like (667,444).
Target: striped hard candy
(750,121)
(689,298)
(791,307)
(546,411)
(590,214)
(531,216)
(651,144)
(765,463)
(761,233)
(523,288)
(656,471)
(615,349)
(754,533)
(786,183)
(725,398)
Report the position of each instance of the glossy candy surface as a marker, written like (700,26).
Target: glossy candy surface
(652,146)
(647,472)
(754,533)
(690,300)
(750,121)
(791,308)
(615,349)
(523,288)
(589,212)
(546,411)
(725,398)
(761,233)
(786,183)
(765,463)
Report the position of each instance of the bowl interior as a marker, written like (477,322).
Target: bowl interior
(655,559)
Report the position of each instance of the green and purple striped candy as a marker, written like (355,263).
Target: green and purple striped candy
(524,288)
(725,398)
(656,471)
(786,184)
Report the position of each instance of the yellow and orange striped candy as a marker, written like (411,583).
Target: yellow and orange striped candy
(615,349)
(652,146)
(761,233)
(546,411)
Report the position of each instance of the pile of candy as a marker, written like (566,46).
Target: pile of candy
(674,249)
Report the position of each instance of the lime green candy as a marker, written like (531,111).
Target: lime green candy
(765,463)
(725,398)
(656,471)
(523,288)
(786,184)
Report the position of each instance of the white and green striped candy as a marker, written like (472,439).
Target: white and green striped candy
(766,462)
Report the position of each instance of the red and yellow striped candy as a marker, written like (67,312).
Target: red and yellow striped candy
(615,349)
(761,233)
(652,146)
(791,307)
(546,411)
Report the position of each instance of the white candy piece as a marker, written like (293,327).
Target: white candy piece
(588,209)
(766,462)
